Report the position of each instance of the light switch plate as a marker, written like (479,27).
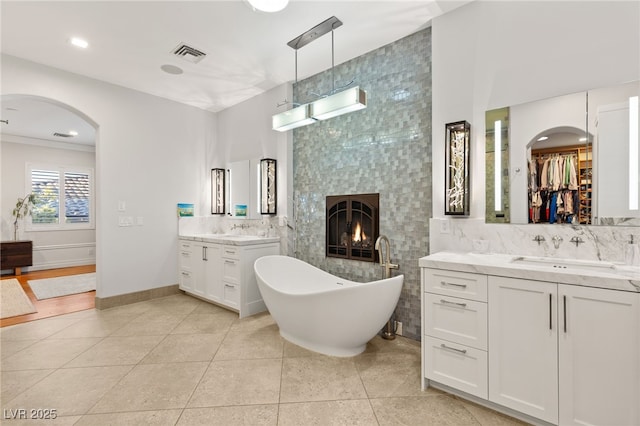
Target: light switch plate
(122,206)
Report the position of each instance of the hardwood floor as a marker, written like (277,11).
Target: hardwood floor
(54,306)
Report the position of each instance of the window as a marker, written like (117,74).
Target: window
(64,197)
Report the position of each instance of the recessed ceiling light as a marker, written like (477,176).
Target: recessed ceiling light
(582,139)
(171,69)
(543,138)
(73,133)
(79,42)
(268,5)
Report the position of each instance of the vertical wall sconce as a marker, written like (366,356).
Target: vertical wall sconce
(497,165)
(457,168)
(217,191)
(268,196)
(634,140)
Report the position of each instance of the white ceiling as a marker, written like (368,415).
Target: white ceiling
(246,50)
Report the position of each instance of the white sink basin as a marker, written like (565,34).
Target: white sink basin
(573,264)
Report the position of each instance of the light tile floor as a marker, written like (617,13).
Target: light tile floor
(182,361)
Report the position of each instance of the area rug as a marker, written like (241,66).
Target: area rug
(13,300)
(63,286)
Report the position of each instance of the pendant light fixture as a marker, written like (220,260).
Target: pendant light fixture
(268,5)
(328,106)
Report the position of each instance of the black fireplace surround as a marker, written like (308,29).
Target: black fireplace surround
(352,226)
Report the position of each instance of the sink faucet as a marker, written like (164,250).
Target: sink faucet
(388,266)
(557,239)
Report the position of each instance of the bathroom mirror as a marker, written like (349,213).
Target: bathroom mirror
(243,189)
(599,127)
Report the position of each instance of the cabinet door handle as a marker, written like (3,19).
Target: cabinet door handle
(453,284)
(204,253)
(230,286)
(462,351)
(564,313)
(230,262)
(446,302)
(550,313)
(186,274)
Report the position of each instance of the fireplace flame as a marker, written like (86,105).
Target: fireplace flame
(359,235)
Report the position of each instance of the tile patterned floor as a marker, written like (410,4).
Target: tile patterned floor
(181,361)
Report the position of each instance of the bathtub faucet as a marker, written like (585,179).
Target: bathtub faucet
(386,263)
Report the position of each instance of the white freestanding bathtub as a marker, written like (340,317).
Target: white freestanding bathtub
(322,312)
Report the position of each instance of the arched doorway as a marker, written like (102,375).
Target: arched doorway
(49,148)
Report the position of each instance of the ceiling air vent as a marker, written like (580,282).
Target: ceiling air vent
(63,135)
(188,53)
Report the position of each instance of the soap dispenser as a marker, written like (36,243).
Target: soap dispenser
(632,253)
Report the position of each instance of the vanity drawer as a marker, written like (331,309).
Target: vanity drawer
(184,245)
(231,295)
(457,320)
(461,367)
(231,252)
(457,284)
(231,271)
(185,260)
(185,280)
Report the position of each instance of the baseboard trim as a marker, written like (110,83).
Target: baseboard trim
(135,297)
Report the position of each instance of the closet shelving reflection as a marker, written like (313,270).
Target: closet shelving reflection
(576,195)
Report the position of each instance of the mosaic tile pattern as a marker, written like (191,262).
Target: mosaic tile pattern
(385,149)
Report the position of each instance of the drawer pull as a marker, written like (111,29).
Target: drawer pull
(453,284)
(186,274)
(446,302)
(230,252)
(462,351)
(230,286)
(230,262)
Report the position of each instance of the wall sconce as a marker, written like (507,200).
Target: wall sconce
(217,191)
(457,168)
(268,193)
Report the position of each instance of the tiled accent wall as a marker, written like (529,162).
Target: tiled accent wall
(385,149)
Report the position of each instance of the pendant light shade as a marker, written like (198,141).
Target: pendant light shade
(268,5)
(348,100)
(295,117)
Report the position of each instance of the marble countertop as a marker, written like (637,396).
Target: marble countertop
(231,239)
(606,275)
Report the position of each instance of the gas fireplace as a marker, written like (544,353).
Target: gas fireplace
(352,226)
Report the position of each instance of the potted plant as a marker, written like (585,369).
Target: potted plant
(24,206)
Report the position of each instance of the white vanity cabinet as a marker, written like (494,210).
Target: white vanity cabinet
(599,356)
(200,269)
(223,273)
(559,353)
(523,337)
(454,312)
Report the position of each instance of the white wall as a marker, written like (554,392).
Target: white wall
(490,54)
(151,153)
(51,249)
